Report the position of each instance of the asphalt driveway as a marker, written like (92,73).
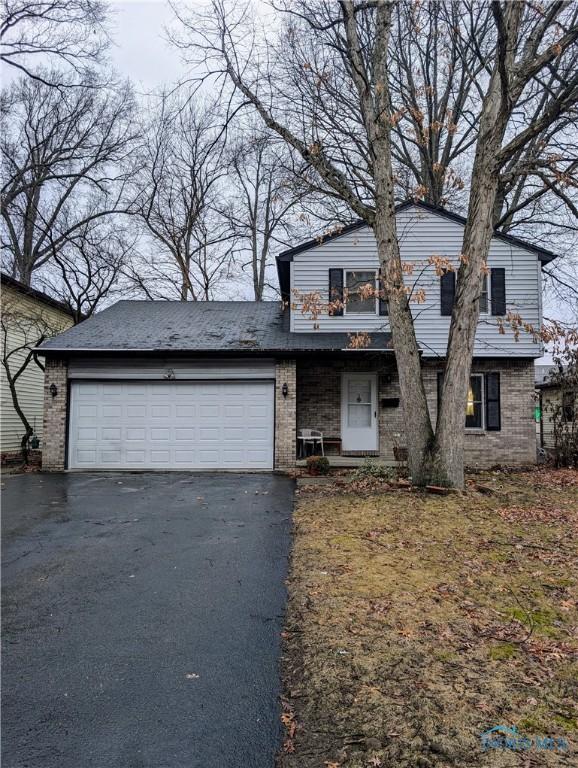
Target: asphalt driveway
(142,619)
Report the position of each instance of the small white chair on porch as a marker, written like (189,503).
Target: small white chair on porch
(310,437)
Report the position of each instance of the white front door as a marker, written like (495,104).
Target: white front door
(359,412)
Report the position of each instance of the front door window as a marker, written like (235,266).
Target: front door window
(359,403)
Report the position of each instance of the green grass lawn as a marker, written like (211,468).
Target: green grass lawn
(416,622)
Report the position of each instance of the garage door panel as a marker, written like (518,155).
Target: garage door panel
(160,458)
(135,434)
(160,433)
(111,412)
(111,390)
(184,433)
(87,457)
(131,412)
(160,411)
(196,425)
(185,411)
(111,433)
(111,457)
(184,457)
(87,411)
(138,458)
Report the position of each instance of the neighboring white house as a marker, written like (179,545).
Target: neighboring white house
(558,406)
(25,315)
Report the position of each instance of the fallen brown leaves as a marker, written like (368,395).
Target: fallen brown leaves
(417,621)
(539,513)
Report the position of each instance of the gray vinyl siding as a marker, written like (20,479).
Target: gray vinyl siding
(422,234)
(158,368)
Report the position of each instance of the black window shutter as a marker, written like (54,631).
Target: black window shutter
(493,419)
(336,289)
(383,308)
(498,293)
(448,291)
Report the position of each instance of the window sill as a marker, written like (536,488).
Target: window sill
(475,431)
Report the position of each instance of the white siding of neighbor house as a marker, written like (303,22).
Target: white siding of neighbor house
(551,411)
(158,368)
(422,234)
(30,385)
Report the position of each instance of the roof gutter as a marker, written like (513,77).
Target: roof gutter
(196,352)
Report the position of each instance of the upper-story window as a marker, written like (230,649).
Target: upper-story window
(358,302)
(492,296)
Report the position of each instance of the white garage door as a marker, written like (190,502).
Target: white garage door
(171,425)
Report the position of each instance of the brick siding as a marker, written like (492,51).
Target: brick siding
(285,414)
(319,406)
(314,402)
(54,434)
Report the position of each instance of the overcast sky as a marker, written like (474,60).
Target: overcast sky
(141,51)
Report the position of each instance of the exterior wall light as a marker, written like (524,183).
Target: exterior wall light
(285,390)
(53,391)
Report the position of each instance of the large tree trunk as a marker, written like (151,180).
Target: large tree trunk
(447,458)
(417,422)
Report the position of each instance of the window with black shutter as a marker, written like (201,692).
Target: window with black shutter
(498,290)
(358,301)
(493,415)
(448,291)
(483,401)
(475,403)
(336,290)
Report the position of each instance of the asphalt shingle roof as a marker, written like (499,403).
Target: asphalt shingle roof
(211,326)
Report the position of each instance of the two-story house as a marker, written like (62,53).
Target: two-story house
(237,385)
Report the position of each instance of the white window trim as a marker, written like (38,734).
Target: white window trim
(376,308)
(489,294)
(482,428)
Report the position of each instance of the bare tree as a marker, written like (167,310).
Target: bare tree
(21,333)
(57,33)
(86,271)
(181,168)
(263,200)
(436,76)
(64,158)
(326,74)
